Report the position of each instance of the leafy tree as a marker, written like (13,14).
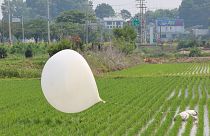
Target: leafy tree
(125,14)
(161,13)
(188,44)
(209,23)
(33,9)
(18,8)
(56,6)
(36,28)
(72,17)
(69,23)
(195,12)
(66,29)
(62,45)
(195,52)
(104,10)
(127,32)
(125,38)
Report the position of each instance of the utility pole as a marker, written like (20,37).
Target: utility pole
(87,21)
(23,30)
(10,29)
(48,21)
(141,5)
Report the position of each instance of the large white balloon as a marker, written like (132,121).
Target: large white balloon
(68,82)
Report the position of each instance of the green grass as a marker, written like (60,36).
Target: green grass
(139,102)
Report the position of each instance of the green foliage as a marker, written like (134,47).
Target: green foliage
(187,44)
(21,48)
(195,52)
(36,28)
(29,52)
(62,45)
(3,52)
(21,68)
(17,7)
(125,38)
(124,46)
(125,14)
(127,32)
(161,13)
(38,8)
(195,12)
(72,17)
(104,10)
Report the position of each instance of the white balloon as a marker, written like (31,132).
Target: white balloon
(68,82)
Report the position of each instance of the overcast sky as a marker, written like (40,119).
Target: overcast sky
(131,4)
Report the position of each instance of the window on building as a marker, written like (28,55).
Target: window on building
(109,22)
(163,36)
(118,23)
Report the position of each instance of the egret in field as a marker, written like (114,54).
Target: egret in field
(186,114)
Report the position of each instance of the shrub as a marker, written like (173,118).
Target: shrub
(21,48)
(187,44)
(62,45)
(18,49)
(3,52)
(124,46)
(29,52)
(195,52)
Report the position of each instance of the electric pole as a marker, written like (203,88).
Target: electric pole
(48,21)
(10,29)
(87,21)
(23,30)
(141,5)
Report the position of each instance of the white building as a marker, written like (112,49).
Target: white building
(200,32)
(169,29)
(113,22)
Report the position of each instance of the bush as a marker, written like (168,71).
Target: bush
(195,52)
(3,52)
(187,44)
(62,45)
(29,52)
(125,47)
(21,48)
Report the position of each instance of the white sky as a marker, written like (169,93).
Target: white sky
(130,5)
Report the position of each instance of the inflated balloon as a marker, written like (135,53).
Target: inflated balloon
(68,82)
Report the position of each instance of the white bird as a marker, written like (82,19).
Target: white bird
(186,114)
(192,112)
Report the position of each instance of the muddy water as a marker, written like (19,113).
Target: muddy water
(183,126)
(195,127)
(206,121)
(171,95)
(180,93)
(149,122)
(186,92)
(177,111)
(200,92)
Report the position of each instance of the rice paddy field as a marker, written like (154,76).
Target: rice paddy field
(140,101)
